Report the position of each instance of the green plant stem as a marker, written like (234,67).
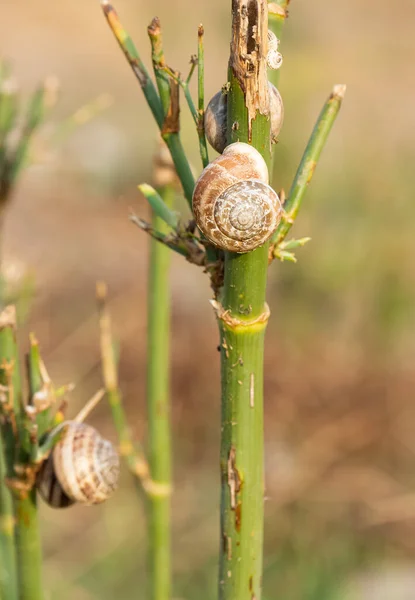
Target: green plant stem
(130,451)
(309,161)
(157,56)
(158,406)
(8,581)
(195,114)
(39,384)
(201,96)
(171,138)
(27,539)
(242,316)
(159,206)
(277,15)
(28,547)
(8,442)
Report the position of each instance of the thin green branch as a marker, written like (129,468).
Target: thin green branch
(169,124)
(16,160)
(195,114)
(159,206)
(283,251)
(277,15)
(127,46)
(193,63)
(8,113)
(129,450)
(201,96)
(174,243)
(157,57)
(309,161)
(158,407)
(41,393)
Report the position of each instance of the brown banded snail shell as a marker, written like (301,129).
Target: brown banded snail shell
(233,204)
(216,118)
(83,467)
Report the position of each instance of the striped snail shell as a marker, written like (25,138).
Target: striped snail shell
(216,118)
(233,204)
(83,467)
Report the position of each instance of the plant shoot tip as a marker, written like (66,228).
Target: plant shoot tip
(145,188)
(339,90)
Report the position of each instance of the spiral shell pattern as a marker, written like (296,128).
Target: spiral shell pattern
(216,118)
(233,204)
(83,468)
(274,58)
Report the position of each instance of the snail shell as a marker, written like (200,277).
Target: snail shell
(274,58)
(233,204)
(216,118)
(83,467)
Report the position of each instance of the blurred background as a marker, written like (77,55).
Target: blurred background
(339,377)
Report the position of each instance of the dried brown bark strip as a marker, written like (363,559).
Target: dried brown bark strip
(248,54)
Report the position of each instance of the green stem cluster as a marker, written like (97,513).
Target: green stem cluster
(156,103)
(239,282)
(14,434)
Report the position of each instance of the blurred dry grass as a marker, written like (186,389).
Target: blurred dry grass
(340,347)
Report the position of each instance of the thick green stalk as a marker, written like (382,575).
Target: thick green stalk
(158,406)
(309,161)
(8,581)
(27,539)
(28,546)
(242,316)
(9,421)
(8,442)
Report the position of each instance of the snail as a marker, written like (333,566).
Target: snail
(83,467)
(233,204)
(274,58)
(216,118)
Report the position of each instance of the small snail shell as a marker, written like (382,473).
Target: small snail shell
(233,204)
(216,118)
(83,467)
(274,58)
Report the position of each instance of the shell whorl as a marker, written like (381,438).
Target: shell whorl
(83,467)
(274,58)
(233,204)
(216,118)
